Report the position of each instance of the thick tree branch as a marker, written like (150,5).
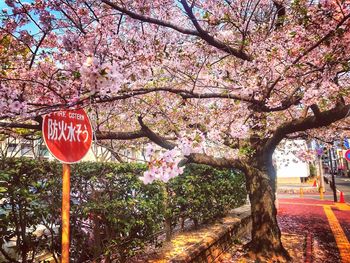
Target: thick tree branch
(161,141)
(306,136)
(144,132)
(210,39)
(150,19)
(285,104)
(185,94)
(102,135)
(20,125)
(105,135)
(281,12)
(201,158)
(194,95)
(316,110)
(129,94)
(190,94)
(323,119)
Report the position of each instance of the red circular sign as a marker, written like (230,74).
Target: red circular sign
(347,155)
(67,134)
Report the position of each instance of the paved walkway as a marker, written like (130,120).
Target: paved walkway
(325,222)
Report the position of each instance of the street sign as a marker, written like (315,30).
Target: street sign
(346,143)
(67,134)
(347,155)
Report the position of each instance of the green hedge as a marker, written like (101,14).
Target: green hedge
(203,193)
(112,212)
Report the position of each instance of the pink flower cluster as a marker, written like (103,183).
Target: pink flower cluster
(306,156)
(165,165)
(191,143)
(102,78)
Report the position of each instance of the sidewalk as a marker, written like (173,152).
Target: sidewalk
(308,190)
(325,224)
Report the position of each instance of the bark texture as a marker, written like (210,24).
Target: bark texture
(266,235)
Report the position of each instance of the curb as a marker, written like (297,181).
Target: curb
(308,252)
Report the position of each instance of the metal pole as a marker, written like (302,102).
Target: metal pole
(65,212)
(322,187)
(320,172)
(336,165)
(333,179)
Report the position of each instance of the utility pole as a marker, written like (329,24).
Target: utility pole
(336,161)
(319,170)
(320,173)
(332,173)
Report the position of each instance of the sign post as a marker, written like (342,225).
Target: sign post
(68,136)
(65,212)
(330,152)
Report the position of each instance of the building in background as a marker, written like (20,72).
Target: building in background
(36,149)
(289,164)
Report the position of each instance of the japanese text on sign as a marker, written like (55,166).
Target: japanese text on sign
(64,130)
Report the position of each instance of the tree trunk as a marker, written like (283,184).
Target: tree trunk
(22,222)
(195,223)
(266,235)
(97,235)
(183,223)
(168,228)
(167,214)
(97,250)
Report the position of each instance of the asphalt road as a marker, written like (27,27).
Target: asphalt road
(343,185)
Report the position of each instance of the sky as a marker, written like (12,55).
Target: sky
(2,4)
(32,29)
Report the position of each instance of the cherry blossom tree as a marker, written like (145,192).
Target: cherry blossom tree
(211,82)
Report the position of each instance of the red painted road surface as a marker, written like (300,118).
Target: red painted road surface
(326,222)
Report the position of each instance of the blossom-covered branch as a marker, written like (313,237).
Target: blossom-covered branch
(320,119)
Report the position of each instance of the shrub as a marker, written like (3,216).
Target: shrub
(120,211)
(313,171)
(112,212)
(203,193)
(28,199)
